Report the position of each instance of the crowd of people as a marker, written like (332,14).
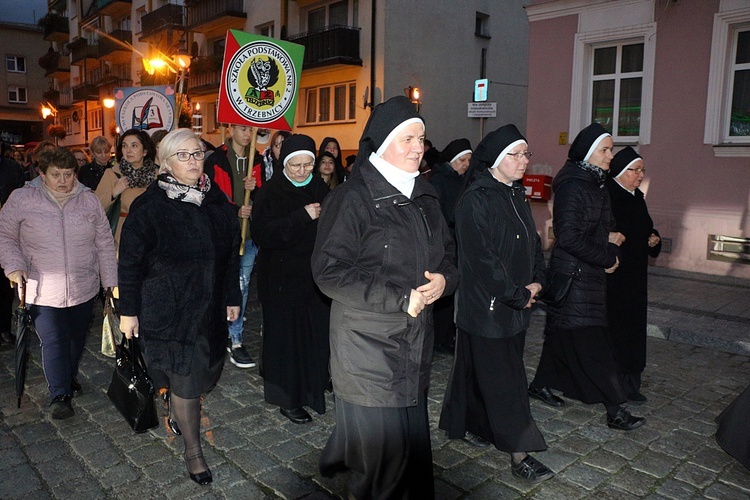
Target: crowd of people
(363,271)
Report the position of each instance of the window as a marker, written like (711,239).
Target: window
(266,30)
(138,16)
(482,25)
(728,97)
(613,82)
(95,120)
(15,64)
(68,124)
(617,87)
(331,104)
(332,14)
(17,94)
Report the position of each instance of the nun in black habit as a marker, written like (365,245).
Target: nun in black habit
(577,355)
(501,271)
(294,355)
(627,288)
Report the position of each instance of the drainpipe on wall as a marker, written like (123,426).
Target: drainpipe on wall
(373,26)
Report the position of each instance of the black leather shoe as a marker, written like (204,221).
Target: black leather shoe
(61,408)
(174,427)
(297,415)
(624,421)
(203,478)
(76,387)
(475,440)
(637,398)
(545,395)
(531,469)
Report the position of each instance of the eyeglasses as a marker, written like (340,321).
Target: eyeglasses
(300,166)
(185,156)
(81,161)
(517,156)
(638,171)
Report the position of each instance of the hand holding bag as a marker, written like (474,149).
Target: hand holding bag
(131,389)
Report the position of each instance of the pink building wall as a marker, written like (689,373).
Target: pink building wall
(691,193)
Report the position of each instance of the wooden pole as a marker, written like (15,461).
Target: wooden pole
(250,163)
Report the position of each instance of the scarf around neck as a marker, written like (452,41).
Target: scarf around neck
(61,198)
(139,177)
(182,192)
(597,173)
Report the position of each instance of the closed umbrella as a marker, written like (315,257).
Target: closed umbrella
(23,325)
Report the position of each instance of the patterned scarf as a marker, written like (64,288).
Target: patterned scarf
(181,192)
(597,173)
(139,177)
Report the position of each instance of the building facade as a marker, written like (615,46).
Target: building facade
(358,53)
(670,78)
(22,83)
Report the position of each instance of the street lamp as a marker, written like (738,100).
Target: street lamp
(413,94)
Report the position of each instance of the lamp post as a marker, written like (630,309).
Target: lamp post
(413,94)
(182,63)
(47,110)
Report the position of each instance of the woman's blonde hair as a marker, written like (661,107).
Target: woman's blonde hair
(171,142)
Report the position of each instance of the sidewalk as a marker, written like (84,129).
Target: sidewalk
(256,453)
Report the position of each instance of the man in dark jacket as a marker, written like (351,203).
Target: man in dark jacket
(227,167)
(11,178)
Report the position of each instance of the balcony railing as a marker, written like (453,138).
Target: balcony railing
(86,92)
(56,27)
(81,50)
(60,68)
(169,16)
(210,15)
(331,45)
(113,8)
(204,82)
(114,42)
(65,100)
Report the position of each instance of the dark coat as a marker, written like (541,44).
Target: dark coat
(285,233)
(91,174)
(374,245)
(448,184)
(219,171)
(627,287)
(582,220)
(499,253)
(178,272)
(11,178)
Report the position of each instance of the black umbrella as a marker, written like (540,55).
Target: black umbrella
(23,325)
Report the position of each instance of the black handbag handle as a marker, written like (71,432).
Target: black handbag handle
(131,345)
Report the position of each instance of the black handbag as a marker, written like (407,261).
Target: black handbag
(131,389)
(558,287)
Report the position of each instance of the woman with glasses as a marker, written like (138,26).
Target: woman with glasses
(294,356)
(135,169)
(82,158)
(501,271)
(577,355)
(627,289)
(179,284)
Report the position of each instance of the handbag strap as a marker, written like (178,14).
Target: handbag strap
(131,345)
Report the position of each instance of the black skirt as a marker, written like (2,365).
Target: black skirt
(295,356)
(488,394)
(580,363)
(200,379)
(733,434)
(386,450)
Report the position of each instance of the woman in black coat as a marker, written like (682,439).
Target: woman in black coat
(179,284)
(627,288)
(501,270)
(295,349)
(384,255)
(577,354)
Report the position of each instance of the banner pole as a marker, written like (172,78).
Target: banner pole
(250,164)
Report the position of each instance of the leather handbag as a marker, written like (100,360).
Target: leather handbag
(131,389)
(558,287)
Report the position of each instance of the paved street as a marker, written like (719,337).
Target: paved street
(254,452)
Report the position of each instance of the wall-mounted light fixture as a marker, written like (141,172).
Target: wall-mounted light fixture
(413,94)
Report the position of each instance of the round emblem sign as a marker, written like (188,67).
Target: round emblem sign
(146,109)
(260,82)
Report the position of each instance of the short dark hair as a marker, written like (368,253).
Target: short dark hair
(56,157)
(148,144)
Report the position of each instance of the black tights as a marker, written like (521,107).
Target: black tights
(187,414)
(612,409)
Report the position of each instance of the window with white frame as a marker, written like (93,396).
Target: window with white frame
(95,119)
(67,122)
(331,103)
(728,97)
(17,95)
(617,87)
(266,30)
(15,64)
(613,82)
(330,14)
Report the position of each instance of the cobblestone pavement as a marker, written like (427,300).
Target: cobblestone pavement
(254,452)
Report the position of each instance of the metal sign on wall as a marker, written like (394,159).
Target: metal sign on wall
(482,110)
(145,108)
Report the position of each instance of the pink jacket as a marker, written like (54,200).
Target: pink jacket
(63,251)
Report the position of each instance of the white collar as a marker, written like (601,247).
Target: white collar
(626,189)
(400,179)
